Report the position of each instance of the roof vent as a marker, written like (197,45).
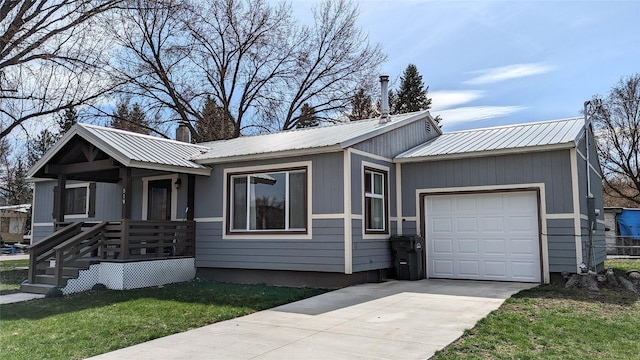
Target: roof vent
(384,99)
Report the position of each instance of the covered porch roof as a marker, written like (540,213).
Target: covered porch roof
(94,153)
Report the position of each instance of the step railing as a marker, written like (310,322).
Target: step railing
(42,252)
(82,245)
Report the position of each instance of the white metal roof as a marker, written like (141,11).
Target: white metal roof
(134,150)
(304,141)
(537,136)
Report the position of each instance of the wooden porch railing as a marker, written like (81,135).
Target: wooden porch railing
(138,239)
(124,240)
(43,251)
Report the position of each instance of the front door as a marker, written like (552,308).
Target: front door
(159,204)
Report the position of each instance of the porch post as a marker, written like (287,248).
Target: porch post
(59,200)
(125,180)
(191,184)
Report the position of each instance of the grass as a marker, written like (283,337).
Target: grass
(551,322)
(12,273)
(88,324)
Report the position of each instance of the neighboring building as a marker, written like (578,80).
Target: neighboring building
(622,227)
(317,206)
(13,222)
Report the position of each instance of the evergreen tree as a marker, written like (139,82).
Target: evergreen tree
(15,190)
(214,124)
(68,118)
(361,106)
(412,95)
(133,119)
(38,146)
(308,117)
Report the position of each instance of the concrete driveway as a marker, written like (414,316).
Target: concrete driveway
(390,320)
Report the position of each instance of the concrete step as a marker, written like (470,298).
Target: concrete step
(36,288)
(51,280)
(73,272)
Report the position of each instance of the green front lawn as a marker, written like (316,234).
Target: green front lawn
(87,324)
(551,322)
(12,273)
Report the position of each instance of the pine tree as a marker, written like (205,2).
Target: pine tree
(68,118)
(308,117)
(133,119)
(38,146)
(412,95)
(15,189)
(361,107)
(214,124)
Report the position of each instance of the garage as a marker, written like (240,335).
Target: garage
(483,236)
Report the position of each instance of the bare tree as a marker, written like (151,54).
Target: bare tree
(616,123)
(252,58)
(335,60)
(50,57)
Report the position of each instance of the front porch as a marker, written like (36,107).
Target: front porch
(119,254)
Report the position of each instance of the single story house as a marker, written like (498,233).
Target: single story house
(318,206)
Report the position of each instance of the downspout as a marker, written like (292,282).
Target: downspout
(591,210)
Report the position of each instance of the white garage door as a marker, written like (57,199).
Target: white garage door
(489,236)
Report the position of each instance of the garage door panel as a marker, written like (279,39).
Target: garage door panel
(468,246)
(442,246)
(491,236)
(492,223)
(495,269)
(524,247)
(470,268)
(494,246)
(525,270)
(442,268)
(522,223)
(467,224)
(441,225)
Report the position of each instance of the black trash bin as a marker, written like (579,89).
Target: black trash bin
(407,256)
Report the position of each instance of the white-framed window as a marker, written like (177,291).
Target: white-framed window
(268,201)
(78,200)
(375,201)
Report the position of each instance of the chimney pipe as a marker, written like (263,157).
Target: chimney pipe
(384,98)
(183,134)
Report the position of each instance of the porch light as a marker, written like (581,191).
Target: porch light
(178,183)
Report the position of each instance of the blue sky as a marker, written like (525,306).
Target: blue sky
(491,63)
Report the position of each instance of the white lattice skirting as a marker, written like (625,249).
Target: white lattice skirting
(133,275)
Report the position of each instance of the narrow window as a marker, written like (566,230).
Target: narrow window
(375,201)
(75,201)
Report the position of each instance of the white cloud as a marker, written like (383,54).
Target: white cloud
(493,75)
(445,99)
(474,113)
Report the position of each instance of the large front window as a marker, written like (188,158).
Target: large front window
(268,201)
(375,200)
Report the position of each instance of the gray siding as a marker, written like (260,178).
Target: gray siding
(325,252)
(327,184)
(553,168)
(399,140)
(108,206)
(369,254)
(562,245)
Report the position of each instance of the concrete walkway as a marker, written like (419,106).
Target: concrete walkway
(391,320)
(17,297)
